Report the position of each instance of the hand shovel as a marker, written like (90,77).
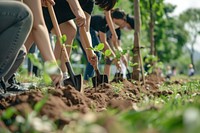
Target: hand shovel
(118,77)
(128,75)
(99,78)
(74,80)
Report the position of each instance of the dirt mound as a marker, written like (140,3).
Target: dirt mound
(54,103)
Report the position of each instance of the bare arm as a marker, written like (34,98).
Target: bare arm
(78,12)
(107,46)
(111,26)
(102,37)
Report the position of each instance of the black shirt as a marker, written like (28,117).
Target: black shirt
(98,23)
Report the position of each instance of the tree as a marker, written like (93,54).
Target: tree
(191,20)
(136,49)
(166,35)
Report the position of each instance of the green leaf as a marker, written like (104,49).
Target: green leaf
(9,113)
(40,104)
(118,54)
(35,60)
(63,39)
(46,78)
(100,46)
(107,52)
(132,64)
(124,52)
(74,46)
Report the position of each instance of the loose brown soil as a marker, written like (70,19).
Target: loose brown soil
(91,99)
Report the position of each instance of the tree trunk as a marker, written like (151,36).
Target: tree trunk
(136,50)
(192,55)
(192,50)
(151,26)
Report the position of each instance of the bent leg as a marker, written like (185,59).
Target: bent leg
(14,29)
(69,29)
(20,58)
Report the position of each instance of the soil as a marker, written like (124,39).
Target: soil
(91,99)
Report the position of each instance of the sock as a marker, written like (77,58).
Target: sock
(65,75)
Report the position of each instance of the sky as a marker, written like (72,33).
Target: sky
(183,5)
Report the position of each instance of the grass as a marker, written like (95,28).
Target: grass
(179,112)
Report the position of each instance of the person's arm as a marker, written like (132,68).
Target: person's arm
(78,12)
(44,2)
(40,36)
(103,39)
(111,27)
(123,57)
(87,42)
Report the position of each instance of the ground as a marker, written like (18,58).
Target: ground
(60,106)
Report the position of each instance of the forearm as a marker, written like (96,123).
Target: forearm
(107,47)
(74,5)
(110,23)
(85,39)
(41,38)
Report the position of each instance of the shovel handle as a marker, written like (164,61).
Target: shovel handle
(57,29)
(86,39)
(59,35)
(97,72)
(127,70)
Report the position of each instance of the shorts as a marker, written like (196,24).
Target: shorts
(64,13)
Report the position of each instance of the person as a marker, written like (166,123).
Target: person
(39,35)
(168,72)
(174,71)
(32,69)
(121,21)
(191,70)
(80,11)
(15,25)
(99,25)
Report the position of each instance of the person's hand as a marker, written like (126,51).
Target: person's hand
(117,64)
(124,60)
(52,69)
(44,2)
(80,18)
(57,78)
(92,59)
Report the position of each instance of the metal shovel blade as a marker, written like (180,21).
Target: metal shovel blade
(75,80)
(78,81)
(118,77)
(99,79)
(128,75)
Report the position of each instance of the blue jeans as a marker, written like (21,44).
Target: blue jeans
(15,25)
(89,71)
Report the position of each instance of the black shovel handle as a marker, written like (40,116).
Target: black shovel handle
(127,70)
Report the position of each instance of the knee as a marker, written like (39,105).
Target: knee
(24,14)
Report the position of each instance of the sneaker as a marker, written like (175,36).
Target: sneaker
(15,88)
(13,85)
(13,80)
(2,86)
